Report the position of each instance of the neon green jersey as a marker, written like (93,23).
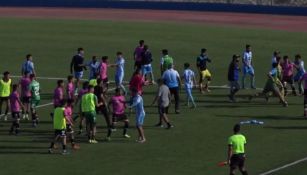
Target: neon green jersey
(237,142)
(59,121)
(5,88)
(88,102)
(166,61)
(93,82)
(35,88)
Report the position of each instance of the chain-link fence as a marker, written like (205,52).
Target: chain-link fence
(297,3)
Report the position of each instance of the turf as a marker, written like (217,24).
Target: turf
(198,141)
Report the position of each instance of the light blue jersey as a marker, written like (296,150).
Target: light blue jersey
(188,76)
(120,69)
(171,77)
(28,67)
(94,69)
(247,58)
(138,104)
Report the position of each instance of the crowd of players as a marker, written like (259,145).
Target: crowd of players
(93,96)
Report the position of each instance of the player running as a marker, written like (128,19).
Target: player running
(233,77)
(28,66)
(16,106)
(248,67)
(5,91)
(59,126)
(146,63)
(138,104)
(300,71)
(165,61)
(163,97)
(89,102)
(204,73)
(236,151)
(287,78)
(35,98)
(25,95)
(137,55)
(118,103)
(120,71)
(58,94)
(189,81)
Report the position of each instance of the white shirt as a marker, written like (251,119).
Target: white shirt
(247,58)
(188,76)
(120,66)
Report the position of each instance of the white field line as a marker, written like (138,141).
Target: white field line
(284,166)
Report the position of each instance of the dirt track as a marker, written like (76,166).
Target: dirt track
(288,23)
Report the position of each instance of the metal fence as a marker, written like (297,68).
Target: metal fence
(297,3)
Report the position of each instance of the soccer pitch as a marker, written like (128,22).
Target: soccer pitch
(199,139)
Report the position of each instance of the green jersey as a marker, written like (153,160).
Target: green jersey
(88,102)
(59,121)
(35,90)
(166,61)
(237,142)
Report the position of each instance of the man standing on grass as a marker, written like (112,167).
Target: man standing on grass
(77,66)
(236,151)
(35,98)
(248,66)
(138,55)
(146,63)
(166,61)
(28,66)
(120,71)
(233,77)
(172,79)
(5,91)
(204,73)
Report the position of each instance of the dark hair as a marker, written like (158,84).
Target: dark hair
(146,47)
(94,57)
(69,77)
(278,58)
(15,86)
(247,46)
(236,128)
(63,102)
(104,58)
(85,84)
(298,56)
(80,49)
(70,101)
(203,50)
(141,42)
(28,56)
(186,65)
(117,90)
(60,82)
(164,51)
(286,57)
(276,53)
(119,53)
(90,87)
(6,73)
(32,76)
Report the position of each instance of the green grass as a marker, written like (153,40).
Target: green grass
(198,141)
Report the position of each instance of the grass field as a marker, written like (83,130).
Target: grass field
(198,141)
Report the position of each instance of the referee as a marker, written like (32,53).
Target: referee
(236,152)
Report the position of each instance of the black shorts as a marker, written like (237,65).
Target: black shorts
(16,115)
(60,132)
(2,99)
(69,129)
(288,79)
(25,99)
(163,110)
(119,117)
(237,160)
(138,64)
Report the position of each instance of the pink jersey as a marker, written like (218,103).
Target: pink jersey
(15,106)
(25,91)
(118,104)
(68,114)
(137,82)
(304,78)
(103,70)
(138,53)
(287,69)
(70,90)
(57,96)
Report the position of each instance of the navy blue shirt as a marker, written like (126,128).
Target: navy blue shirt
(233,72)
(77,62)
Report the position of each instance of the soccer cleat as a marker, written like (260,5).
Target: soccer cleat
(126,136)
(50,151)
(94,141)
(27,117)
(177,111)
(90,141)
(141,140)
(169,126)
(5,117)
(285,104)
(159,125)
(80,132)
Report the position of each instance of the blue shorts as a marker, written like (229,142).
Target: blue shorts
(146,69)
(140,119)
(78,75)
(248,70)
(298,76)
(119,79)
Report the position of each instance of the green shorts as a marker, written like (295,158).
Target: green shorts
(90,117)
(34,103)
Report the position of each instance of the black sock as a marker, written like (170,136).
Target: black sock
(109,132)
(51,145)
(64,147)
(126,128)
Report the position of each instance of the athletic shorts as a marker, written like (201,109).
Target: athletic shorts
(146,69)
(2,99)
(288,79)
(237,160)
(298,76)
(270,87)
(248,70)
(78,75)
(140,119)
(163,110)
(25,99)
(90,117)
(119,117)
(16,115)
(34,103)
(234,85)
(69,129)
(102,110)
(206,74)
(138,64)
(119,79)
(60,132)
